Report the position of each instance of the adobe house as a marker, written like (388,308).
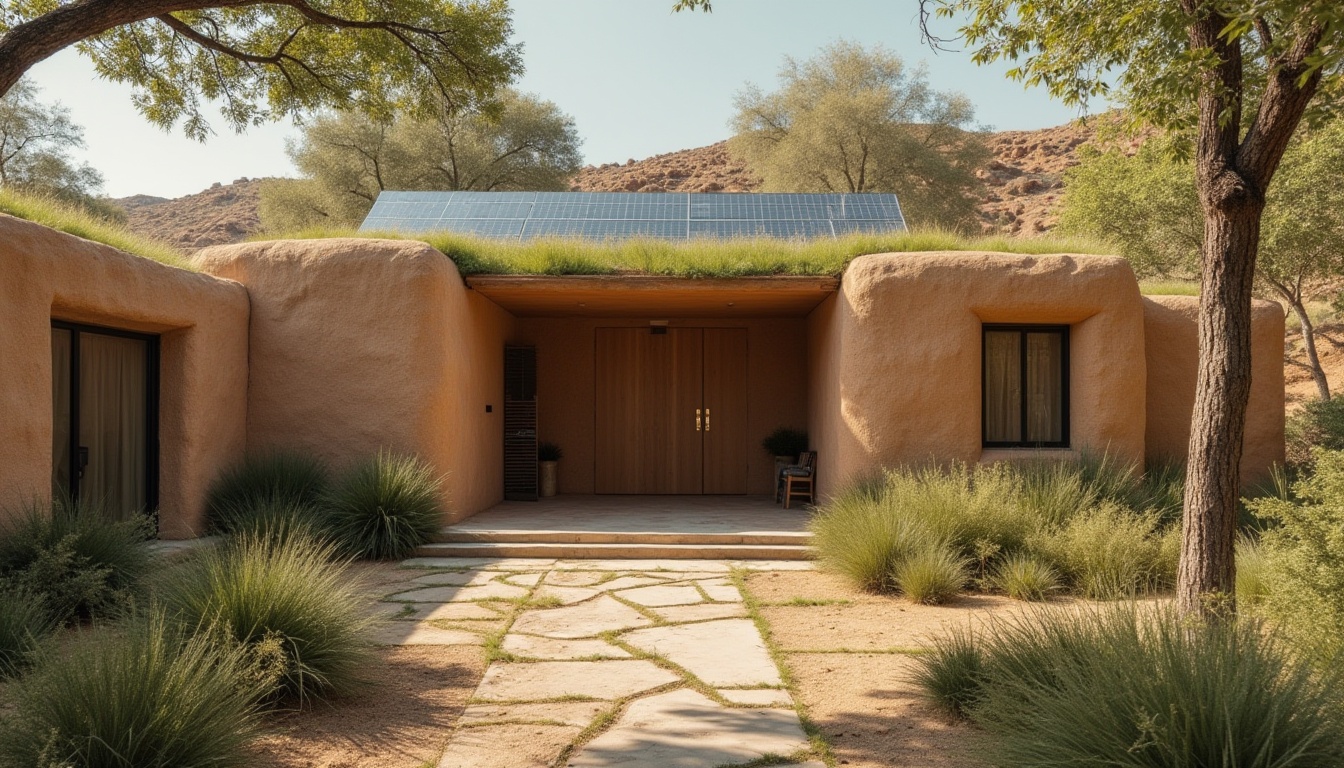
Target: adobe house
(137,382)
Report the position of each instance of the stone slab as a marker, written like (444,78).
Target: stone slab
(774,565)
(654,597)
(727,653)
(661,567)
(603,614)
(456,612)
(628,582)
(522,579)
(483,563)
(534,681)
(412,633)
(677,614)
(566,595)
(507,746)
(758,697)
(455,578)
(530,647)
(683,729)
(492,591)
(574,713)
(575,578)
(722,594)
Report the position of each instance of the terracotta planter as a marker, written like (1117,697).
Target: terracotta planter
(547,472)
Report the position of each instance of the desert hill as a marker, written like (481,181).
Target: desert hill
(1021,190)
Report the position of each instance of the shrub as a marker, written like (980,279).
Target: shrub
(1319,424)
(549,452)
(1306,556)
(1022,577)
(930,575)
(950,673)
(24,627)
(863,538)
(1128,688)
(385,507)
(80,562)
(294,610)
(263,484)
(1108,553)
(785,441)
(277,521)
(140,695)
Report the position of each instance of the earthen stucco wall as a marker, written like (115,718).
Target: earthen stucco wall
(566,367)
(359,345)
(895,357)
(1171,331)
(202,326)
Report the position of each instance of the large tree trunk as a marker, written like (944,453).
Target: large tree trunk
(1207,571)
(1309,341)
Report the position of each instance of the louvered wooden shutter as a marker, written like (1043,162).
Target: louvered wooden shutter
(520,423)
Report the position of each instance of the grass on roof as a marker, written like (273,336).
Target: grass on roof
(74,221)
(1169,287)
(745,257)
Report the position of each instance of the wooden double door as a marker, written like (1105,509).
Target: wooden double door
(671,410)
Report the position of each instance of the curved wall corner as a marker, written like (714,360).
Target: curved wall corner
(202,326)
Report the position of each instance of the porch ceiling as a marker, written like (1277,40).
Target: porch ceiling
(647,296)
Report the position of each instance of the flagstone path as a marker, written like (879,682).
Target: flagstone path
(598,664)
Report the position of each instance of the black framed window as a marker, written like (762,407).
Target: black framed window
(105,417)
(1025,381)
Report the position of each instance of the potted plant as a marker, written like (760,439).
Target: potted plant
(784,444)
(547,455)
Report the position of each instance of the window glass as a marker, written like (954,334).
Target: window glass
(1003,382)
(1025,386)
(1045,388)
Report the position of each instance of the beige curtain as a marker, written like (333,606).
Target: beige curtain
(1045,401)
(112,402)
(1003,382)
(60,412)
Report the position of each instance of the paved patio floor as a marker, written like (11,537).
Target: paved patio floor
(641,514)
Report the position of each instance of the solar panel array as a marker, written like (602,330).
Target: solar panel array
(622,215)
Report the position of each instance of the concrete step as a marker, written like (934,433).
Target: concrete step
(453,535)
(617,551)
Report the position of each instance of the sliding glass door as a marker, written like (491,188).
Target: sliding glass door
(105,417)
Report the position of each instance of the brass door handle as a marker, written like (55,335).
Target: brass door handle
(697,419)
(706,419)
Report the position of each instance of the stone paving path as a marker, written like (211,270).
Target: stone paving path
(630,663)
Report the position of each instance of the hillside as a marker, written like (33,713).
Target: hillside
(1020,195)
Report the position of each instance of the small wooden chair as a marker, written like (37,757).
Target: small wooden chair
(804,475)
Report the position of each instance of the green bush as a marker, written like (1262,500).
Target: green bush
(1123,687)
(863,538)
(262,485)
(1305,551)
(384,508)
(785,441)
(1023,577)
(296,611)
(24,626)
(81,563)
(1319,424)
(1252,573)
(930,575)
(133,696)
(1108,553)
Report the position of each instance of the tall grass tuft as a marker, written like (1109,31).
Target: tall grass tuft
(863,538)
(1023,577)
(1108,553)
(296,611)
(1252,572)
(384,508)
(950,673)
(263,486)
(25,626)
(1125,687)
(141,695)
(80,562)
(930,575)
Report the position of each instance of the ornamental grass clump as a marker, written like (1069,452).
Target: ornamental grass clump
(255,490)
(141,694)
(384,508)
(931,574)
(1131,686)
(290,604)
(25,626)
(76,560)
(1109,553)
(862,537)
(1023,577)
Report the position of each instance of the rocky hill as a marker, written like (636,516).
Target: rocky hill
(1020,196)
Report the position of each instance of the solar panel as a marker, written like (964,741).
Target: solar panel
(623,215)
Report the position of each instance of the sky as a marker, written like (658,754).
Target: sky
(638,80)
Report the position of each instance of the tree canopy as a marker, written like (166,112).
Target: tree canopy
(35,144)
(264,60)
(859,120)
(520,143)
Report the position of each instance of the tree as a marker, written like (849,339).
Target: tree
(1147,205)
(35,144)
(859,120)
(268,59)
(1240,76)
(520,143)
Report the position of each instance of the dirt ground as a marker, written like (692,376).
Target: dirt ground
(851,656)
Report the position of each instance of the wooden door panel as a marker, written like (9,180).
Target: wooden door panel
(686,441)
(725,398)
(619,353)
